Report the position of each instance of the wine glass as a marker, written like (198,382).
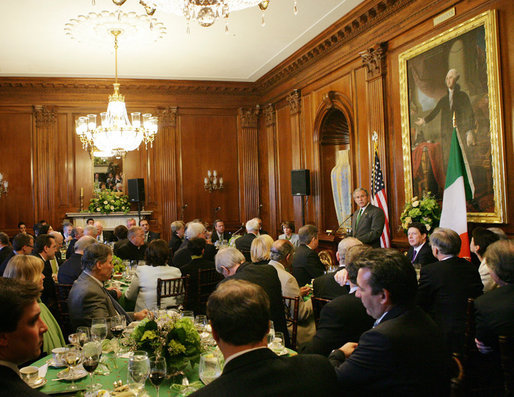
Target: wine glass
(200,322)
(157,371)
(92,352)
(73,357)
(118,324)
(188,314)
(74,339)
(83,335)
(99,329)
(271,332)
(138,371)
(209,367)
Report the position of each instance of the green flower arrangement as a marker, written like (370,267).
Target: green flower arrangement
(106,201)
(118,265)
(426,211)
(169,336)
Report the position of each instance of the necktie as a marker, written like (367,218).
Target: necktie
(358,217)
(414,256)
(118,307)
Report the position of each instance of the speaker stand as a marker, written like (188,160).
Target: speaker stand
(139,211)
(303,210)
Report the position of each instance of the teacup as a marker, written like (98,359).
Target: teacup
(30,374)
(58,356)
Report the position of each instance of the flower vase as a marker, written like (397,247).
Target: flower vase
(340,178)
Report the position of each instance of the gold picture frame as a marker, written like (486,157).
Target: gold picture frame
(467,54)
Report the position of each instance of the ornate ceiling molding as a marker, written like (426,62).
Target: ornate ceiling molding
(249,116)
(44,116)
(295,101)
(374,60)
(269,115)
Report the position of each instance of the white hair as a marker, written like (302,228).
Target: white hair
(228,258)
(252,225)
(194,229)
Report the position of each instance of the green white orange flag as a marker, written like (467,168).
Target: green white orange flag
(459,187)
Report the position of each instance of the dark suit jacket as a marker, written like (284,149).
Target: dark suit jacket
(192,269)
(261,373)
(5,252)
(306,265)
(175,244)
(11,385)
(444,288)
(370,227)
(152,236)
(244,244)
(3,264)
(342,320)
(226,236)
(71,248)
(183,256)
(131,252)
(118,244)
(49,296)
(403,356)
(70,270)
(267,278)
(424,256)
(327,287)
(495,315)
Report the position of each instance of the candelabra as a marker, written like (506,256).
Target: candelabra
(212,182)
(3,185)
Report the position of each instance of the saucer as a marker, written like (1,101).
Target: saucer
(40,382)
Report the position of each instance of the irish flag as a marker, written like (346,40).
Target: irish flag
(459,187)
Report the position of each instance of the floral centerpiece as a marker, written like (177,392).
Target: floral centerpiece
(426,211)
(107,201)
(169,336)
(119,266)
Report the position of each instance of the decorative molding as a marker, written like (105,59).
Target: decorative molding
(329,99)
(269,115)
(374,60)
(44,116)
(295,102)
(249,116)
(168,116)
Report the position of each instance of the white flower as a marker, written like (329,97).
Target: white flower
(98,209)
(112,207)
(415,198)
(105,202)
(408,220)
(415,203)
(428,226)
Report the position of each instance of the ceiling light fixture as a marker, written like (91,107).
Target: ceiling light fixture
(116,135)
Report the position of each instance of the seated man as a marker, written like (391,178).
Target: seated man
(183,255)
(135,247)
(178,229)
(21,334)
(420,250)
(306,262)
(149,235)
(343,319)
(403,354)
(244,244)
(219,233)
(76,234)
(70,270)
(239,314)
(22,244)
(88,298)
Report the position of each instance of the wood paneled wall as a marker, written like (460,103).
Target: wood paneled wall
(352,66)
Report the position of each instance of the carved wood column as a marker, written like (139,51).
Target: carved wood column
(248,155)
(374,59)
(270,122)
(165,148)
(44,154)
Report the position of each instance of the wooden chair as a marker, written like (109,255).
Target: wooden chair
(62,291)
(507,363)
(208,279)
(291,307)
(317,305)
(457,377)
(172,287)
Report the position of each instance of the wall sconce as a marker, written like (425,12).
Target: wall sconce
(3,185)
(212,182)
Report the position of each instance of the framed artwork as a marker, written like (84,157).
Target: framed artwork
(455,74)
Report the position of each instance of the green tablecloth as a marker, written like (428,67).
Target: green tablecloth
(54,386)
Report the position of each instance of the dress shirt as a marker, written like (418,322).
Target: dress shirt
(379,319)
(416,251)
(243,352)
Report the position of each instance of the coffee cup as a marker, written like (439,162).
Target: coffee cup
(58,356)
(30,374)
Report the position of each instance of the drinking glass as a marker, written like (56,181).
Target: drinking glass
(209,367)
(92,352)
(271,332)
(138,371)
(74,339)
(83,335)
(188,314)
(200,322)
(99,329)
(277,344)
(73,357)
(157,371)
(118,324)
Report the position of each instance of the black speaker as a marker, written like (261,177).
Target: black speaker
(136,190)
(301,182)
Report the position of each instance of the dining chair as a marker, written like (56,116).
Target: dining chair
(291,307)
(208,280)
(62,291)
(173,287)
(317,305)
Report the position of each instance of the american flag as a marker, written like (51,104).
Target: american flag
(379,199)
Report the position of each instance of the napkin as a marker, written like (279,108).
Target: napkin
(42,370)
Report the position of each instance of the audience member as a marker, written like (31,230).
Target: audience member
(368,221)
(120,237)
(143,288)
(44,248)
(343,319)
(22,244)
(41,228)
(88,298)
(289,234)
(90,222)
(22,227)
(183,255)
(76,233)
(67,227)
(21,334)
(57,260)
(219,235)
(91,230)
(403,354)
(445,286)
(30,268)
(135,247)
(326,286)
(178,229)
(239,313)
(5,247)
(480,239)
(149,235)
(244,244)
(70,270)
(281,258)
(306,263)
(260,249)
(131,223)
(230,262)
(420,251)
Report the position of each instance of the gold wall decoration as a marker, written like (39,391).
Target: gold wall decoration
(457,72)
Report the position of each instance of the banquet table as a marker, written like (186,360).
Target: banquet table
(62,388)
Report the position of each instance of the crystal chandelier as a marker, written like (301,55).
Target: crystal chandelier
(115,136)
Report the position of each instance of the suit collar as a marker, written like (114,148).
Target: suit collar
(395,311)
(249,358)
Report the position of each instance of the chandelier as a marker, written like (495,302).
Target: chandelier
(115,136)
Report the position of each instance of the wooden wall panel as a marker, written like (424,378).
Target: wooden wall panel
(284,165)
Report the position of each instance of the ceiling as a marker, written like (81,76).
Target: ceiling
(33,41)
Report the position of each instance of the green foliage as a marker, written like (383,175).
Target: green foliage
(118,265)
(106,201)
(426,211)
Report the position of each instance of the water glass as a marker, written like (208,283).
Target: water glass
(99,329)
(210,367)
(157,371)
(188,314)
(271,332)
(200,322)
(92,352)
(72,357)
(138,371)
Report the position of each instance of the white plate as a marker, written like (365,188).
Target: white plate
(79,372)
(40,382)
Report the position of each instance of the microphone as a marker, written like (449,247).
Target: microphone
(217,209)
(341,224)
(184,206)
(238,230)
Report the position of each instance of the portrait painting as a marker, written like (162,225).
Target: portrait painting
(452,81)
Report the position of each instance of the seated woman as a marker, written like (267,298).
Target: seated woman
(143,287)
(30,268)
(260,249)
(289,234)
